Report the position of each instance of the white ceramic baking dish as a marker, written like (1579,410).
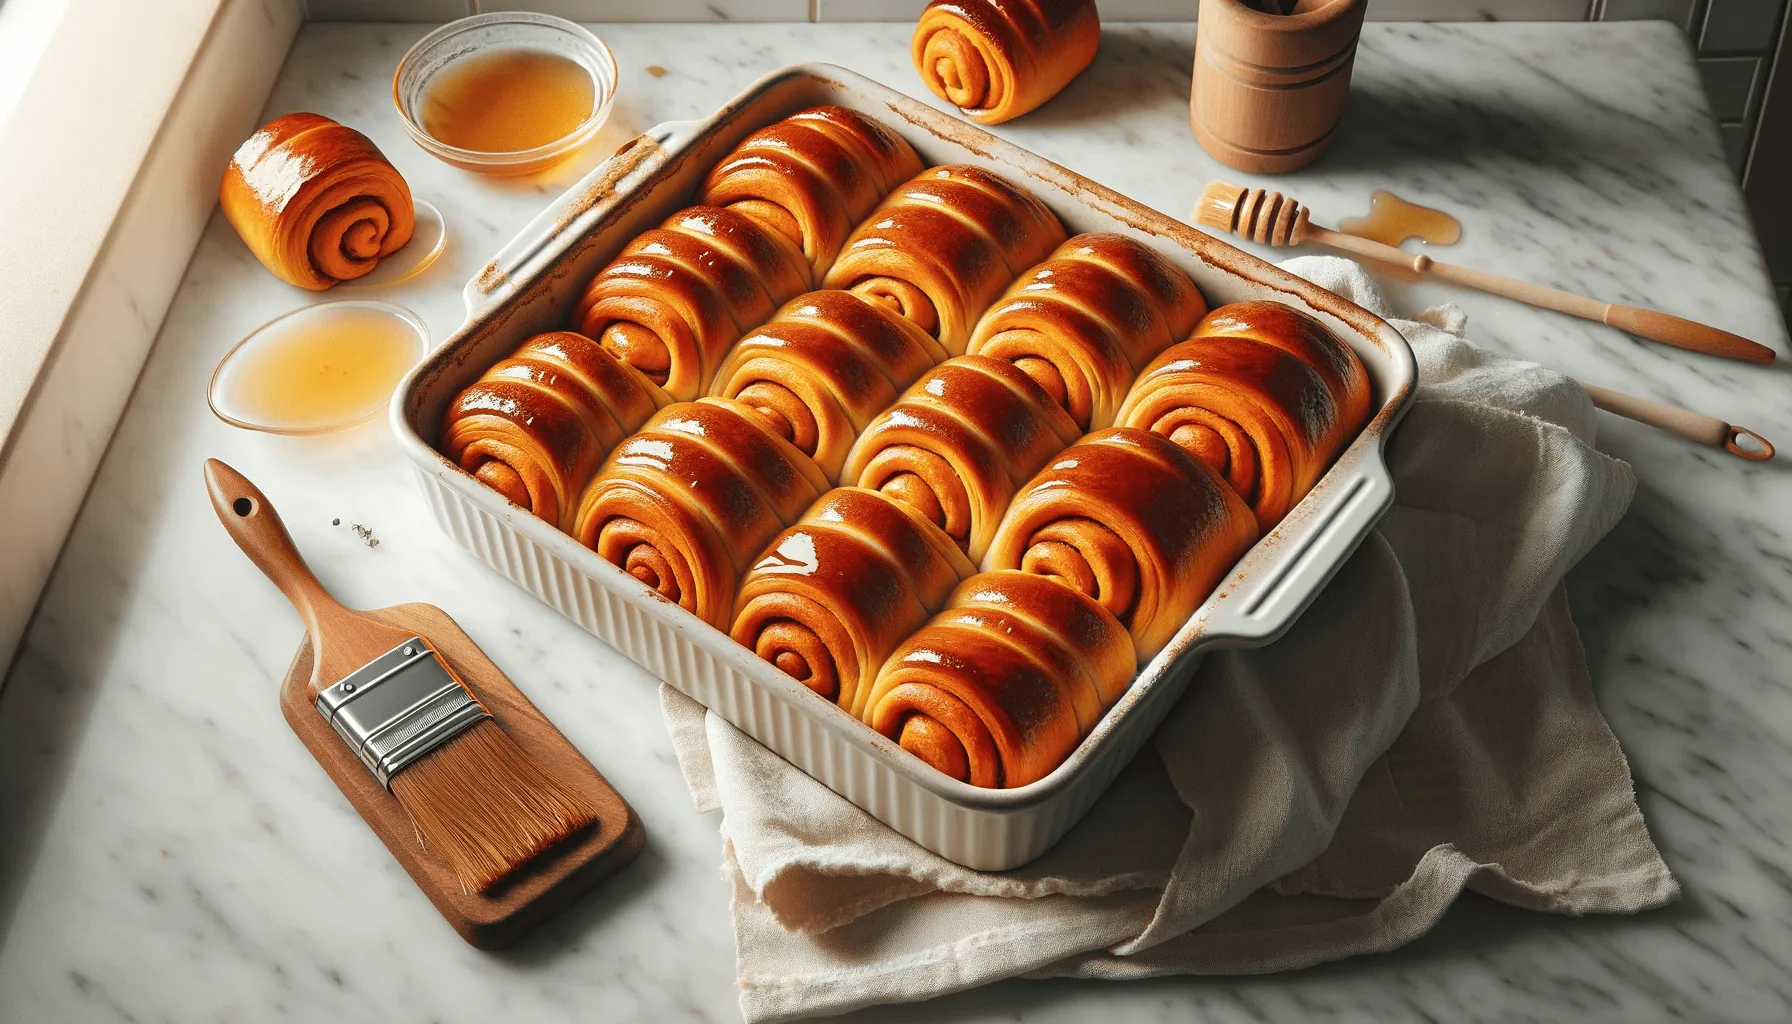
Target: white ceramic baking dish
(532,282)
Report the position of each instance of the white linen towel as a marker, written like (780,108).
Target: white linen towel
(1426,726)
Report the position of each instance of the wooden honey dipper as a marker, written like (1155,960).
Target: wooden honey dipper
(1270,218)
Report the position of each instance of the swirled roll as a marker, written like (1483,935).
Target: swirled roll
(834,594)
(1257,416)
(686,503)
(1129,519)
(999,688)
(823,367)
(536,425)
(942,246)
(998,59)
(678,296)
(1304,338)
(316,201)
(1088,319)
(812,177)
(959,444)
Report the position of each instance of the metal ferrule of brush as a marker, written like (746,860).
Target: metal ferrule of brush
(399,707)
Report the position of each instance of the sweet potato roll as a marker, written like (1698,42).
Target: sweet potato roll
(316,201)
(958,445)
(999,688)
(685,504)
(1306,339)
(1132,521)
(820,369)
(942,246)
(812,177)
(537,424)
(998,59)
(833,595)
(678,296)
(1087,320)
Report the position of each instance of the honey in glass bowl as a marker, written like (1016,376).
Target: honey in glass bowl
(504,101)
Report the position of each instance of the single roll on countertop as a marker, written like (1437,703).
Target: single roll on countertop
(812,177)
(834,594)
(1132,521)
(537,424)
(823,367)
(1087,320)
(941,247)
(316,201)
(686,503)
(678,296)
(998,59)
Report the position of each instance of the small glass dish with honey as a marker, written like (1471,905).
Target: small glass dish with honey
(505,93)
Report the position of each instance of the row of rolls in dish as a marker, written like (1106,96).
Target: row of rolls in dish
(892,430)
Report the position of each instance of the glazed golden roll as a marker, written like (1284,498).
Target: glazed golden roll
(1257,416)
(959,444)
(678,296)
(833,595)
(998,59)
(1304,338)
(999,688)
(1087,320)
(942,246)
(316,201)
(1127,518)
(686,503)
(823,367)
(812,177)
(537,424)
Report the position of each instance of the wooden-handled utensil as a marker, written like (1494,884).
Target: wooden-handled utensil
(496,817)
(1696,427)
(1271,218)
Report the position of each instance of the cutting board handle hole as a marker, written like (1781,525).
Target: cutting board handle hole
(243,507)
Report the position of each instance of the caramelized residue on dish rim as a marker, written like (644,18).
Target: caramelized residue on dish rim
(1393,220)
(507,100)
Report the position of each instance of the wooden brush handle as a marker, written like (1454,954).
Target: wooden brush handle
(1271,218)
(1697,427)
(252,522)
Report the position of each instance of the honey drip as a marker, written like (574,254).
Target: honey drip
(331,367)
(507,101)
(1393,220)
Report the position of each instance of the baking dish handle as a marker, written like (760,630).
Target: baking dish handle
(570,214)
(1309,551)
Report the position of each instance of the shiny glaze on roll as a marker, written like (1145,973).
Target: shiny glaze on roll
(959,444)
(536,425)
(1132,521)
(823,367)
(1002,685)
(833,595)
(1087,320)
(316,201)
(1306,339)
(941,247)
(998,59)
(678,296)
(686,503)
(812,177)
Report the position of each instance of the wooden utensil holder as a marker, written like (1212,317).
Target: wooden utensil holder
(1269,89)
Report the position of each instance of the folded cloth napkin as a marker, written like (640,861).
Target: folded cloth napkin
(1426,726)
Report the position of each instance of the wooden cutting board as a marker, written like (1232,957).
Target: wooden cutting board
(538,891)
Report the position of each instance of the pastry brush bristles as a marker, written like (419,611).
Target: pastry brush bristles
(485,807)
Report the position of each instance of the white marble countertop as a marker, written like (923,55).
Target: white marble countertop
(168,851)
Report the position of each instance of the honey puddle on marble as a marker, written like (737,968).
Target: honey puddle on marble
(506,101)
(1393,220)
(322,368)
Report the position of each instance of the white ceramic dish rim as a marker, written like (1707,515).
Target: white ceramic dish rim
(1258,600)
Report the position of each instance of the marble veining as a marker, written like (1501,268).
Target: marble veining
(168,851)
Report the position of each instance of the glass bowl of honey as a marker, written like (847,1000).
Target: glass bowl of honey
(505,93)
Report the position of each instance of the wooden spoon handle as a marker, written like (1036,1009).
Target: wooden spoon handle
(252,522)
(1697,427)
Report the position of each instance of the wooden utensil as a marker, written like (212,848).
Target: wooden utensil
(1271,218)
(1697,427)
(339,643)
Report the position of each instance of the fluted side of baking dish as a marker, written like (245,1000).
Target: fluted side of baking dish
(528,288)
